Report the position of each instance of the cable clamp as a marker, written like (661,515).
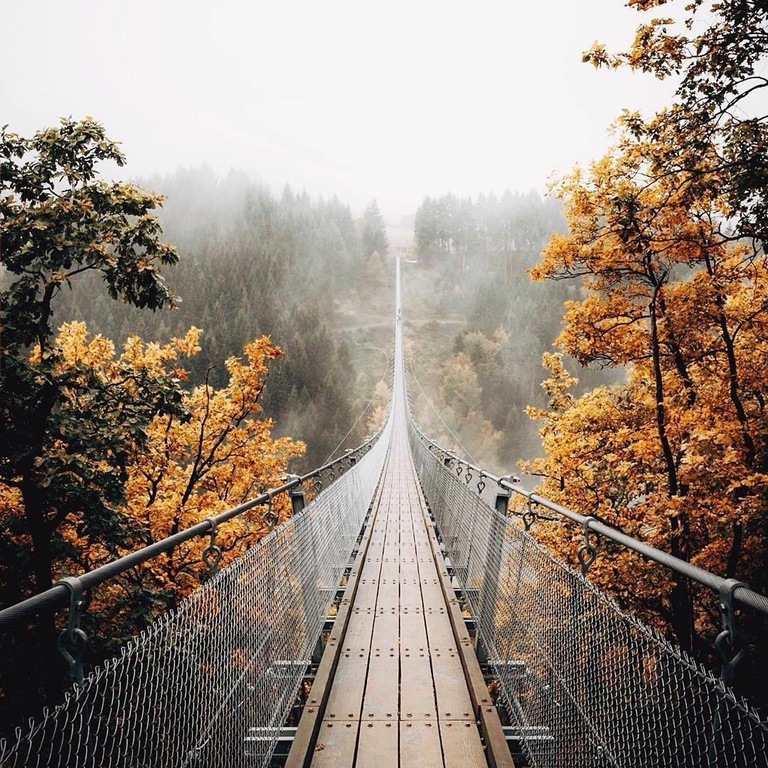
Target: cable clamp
(731,644)
(73,641)
(212,553)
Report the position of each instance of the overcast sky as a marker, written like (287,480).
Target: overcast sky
(393,100)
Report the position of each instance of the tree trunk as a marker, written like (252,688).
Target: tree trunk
(733,373)
(661,423)
(681,601)
(48,665)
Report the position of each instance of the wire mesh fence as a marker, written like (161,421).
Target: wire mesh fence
(584,683)
(211,683)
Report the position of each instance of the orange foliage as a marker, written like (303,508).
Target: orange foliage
(220,456)
(678,455)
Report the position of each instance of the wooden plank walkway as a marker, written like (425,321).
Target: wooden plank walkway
(399,696)
(399,683)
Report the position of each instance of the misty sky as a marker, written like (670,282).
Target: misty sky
(393,100)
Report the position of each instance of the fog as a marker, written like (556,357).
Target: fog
(395,100)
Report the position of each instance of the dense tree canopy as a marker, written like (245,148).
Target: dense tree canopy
(100,453)
(666,236)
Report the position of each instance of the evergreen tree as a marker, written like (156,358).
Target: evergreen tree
(374,233)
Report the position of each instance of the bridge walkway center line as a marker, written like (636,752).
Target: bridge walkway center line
(400,686)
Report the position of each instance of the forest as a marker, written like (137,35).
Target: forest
(172,352)
(127,421)
(480,325)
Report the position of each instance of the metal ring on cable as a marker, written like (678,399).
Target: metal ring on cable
(270,517)
(529,516)
(73,641)
(586,553)
(211,555)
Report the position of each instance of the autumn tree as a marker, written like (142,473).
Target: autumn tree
(103,453)
(58,220)
(666,239)
(713,135)
(213,452)
(220,454)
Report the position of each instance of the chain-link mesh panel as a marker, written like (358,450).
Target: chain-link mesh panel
(211,683)
(584,683)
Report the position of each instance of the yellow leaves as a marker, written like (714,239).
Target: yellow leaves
(598,56)
(558,257)
(78,348)
(559,382)
(218,458)
(185,469)
(154,356)
(188,345)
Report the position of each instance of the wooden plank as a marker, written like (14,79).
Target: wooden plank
(346,696)
(377,744)
(335,745)
(381,690)
(461,744)
(417,688)
(420,745)
(410,586)
(388,597)
(453,700)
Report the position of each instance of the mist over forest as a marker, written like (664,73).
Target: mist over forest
(319,281)
(300,270)
(478,325)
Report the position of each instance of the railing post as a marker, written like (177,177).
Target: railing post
(297,496)
(491,574)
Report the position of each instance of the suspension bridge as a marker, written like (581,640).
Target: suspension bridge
(398,619)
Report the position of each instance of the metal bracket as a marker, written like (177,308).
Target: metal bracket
(212,553)
(73,641)
(270,517)
(731,644)
(587,553)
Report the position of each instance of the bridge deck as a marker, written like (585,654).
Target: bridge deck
(399,695)
(399,684)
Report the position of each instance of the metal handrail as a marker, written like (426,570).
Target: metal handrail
(740,592)
(59,594)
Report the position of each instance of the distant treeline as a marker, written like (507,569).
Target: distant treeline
(479,251)
(254,263)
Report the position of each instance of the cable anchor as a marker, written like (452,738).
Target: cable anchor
(587,552)
(529,516)
(730,644)
(212,553)
(270,517)
(73,641)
